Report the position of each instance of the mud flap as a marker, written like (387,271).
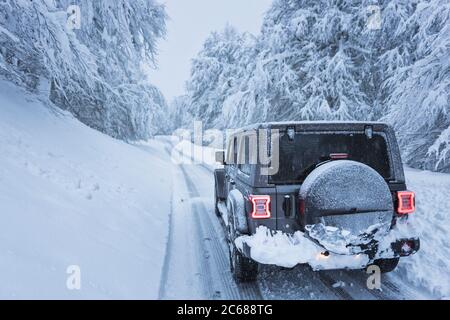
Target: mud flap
(246,250)
(219,177)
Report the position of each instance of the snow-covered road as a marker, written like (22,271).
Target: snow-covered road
(197,262)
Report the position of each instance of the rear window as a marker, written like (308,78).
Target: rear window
(300,155)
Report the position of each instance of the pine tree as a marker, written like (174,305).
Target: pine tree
(322,60)
(90,69)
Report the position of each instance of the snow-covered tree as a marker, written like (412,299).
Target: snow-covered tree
(314,60)
(88,68)
(336,59)
(178,115)
(304,65)
(419,105)
(217,72)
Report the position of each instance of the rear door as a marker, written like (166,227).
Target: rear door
(299,154)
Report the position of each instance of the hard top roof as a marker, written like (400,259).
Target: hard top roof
(316,125)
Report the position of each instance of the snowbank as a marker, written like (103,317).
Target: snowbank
(70,195)
(430,267)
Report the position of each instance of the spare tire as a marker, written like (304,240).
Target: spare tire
(346,206)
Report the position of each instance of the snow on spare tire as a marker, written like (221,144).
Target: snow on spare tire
(346,204)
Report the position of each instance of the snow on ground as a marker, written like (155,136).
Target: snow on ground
(430,267)
(72,196)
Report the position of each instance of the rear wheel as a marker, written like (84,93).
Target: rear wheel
(387,265)
(242,268)
(216,203)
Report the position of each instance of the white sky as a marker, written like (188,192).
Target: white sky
(190,22)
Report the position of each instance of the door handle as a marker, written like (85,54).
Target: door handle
(287,205)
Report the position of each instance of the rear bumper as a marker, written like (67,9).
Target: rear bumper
(324,260)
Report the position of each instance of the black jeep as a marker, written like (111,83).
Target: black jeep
(323,179)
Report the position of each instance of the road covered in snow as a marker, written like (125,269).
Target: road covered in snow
(139,224)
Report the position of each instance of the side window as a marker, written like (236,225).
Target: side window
(235,150)
(244,157)
(231,152)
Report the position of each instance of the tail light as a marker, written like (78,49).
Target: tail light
(261,207)
(406,202)
(338,156)
(301,207)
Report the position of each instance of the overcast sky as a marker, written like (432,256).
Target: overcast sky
(190,22)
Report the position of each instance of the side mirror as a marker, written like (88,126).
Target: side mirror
(220,157)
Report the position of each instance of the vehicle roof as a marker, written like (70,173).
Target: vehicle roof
(317,125)
(394,151)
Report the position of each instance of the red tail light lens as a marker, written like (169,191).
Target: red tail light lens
(338,156)
(301,207)
(406,202)
(261,207)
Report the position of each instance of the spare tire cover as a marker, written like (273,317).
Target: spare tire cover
(346,204)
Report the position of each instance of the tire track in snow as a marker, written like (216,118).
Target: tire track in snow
(389,290)
(331,285)
(218,253)
(359,277)
(208,238)
(208,284)
(167,256)
(248,291)
(188,229)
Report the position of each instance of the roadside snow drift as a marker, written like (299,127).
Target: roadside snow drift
(70,196)
(430,267)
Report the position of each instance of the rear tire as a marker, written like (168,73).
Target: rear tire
(242,268)
(216,203)
(387,265)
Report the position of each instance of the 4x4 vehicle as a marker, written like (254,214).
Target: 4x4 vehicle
(340,183)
